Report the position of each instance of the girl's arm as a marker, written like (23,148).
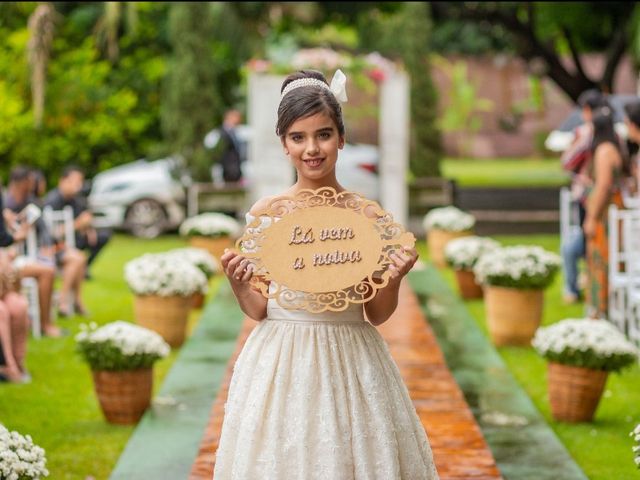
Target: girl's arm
(382,306)
(605,157)
(239,271)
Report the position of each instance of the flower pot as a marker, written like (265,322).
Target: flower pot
(513,315)
(214,245)
(574,392)
(123,395)
(165,315)
(437,240)
(197,300)
(467,285)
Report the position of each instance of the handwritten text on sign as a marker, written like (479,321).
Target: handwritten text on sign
(321,249)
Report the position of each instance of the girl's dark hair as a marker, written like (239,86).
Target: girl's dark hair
(302,102)
(604,131)
(632,110)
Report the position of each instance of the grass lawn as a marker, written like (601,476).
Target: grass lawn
(602,448)
(505,172)
(59,409)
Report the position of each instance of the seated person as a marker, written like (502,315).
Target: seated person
(14,321)
(69,192)
(51,255)
(16,200)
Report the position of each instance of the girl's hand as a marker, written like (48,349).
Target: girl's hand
(403,261)
(237,268)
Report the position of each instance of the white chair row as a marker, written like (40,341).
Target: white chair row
(624,270)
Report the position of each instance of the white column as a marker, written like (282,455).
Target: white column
(269,169)
(394,145)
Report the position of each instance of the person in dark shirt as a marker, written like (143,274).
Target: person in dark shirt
(69,193)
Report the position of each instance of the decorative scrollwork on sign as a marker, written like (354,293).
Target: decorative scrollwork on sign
(321,250)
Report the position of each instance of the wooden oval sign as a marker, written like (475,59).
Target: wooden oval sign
(322,250)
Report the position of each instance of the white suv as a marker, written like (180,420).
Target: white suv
(142,197)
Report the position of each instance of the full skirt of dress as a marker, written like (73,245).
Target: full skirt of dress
(318,396)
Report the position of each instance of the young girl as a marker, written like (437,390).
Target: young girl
(317,395)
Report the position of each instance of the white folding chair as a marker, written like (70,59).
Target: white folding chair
(60,224)
(631,245)
(624,270)
(30,285)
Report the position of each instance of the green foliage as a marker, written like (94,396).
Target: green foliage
(406,35)
(107,356)
(464,103)
(97,114)
(588,358)
(190,100)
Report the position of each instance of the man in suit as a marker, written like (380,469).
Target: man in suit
(230,158)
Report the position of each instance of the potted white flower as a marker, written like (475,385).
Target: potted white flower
(121,357)
(164,286)
(202,259)
(212,231)
(461,255)
(514,279)
(636,448)
(20,458)
(443,225)
(580,354)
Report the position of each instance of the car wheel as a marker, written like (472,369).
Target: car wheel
(146,218)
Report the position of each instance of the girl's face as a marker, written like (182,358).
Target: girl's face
(633,131)
(312,144)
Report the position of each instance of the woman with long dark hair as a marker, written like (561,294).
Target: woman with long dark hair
(608,168)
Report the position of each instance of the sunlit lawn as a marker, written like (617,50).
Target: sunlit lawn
(601,448)
(504,172)
(59,409)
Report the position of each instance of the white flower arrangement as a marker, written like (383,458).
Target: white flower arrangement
(210,224)
(450,218)
(584,342)
(199,257)
(120,346)
(463,253)
(20,458)
(636,448)
(520,266)
(164,275)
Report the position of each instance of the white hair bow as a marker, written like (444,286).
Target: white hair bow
(339,86)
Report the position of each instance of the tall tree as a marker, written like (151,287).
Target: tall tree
(190,99)
(543,31)
(41,30)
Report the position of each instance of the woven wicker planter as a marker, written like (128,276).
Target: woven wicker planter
(197,300)
(437,240)
(467,285)
(513,315)
(574,392)
(215,246)
(165,315)
(123,396)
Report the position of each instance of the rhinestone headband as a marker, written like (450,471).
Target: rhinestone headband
(337,87)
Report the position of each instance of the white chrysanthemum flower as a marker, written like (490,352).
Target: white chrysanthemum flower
(463,253)
(448,218)
(210,225)
(585,342)
(199,257)
(128,338)
(164,275)
(20,458)
(519,266)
